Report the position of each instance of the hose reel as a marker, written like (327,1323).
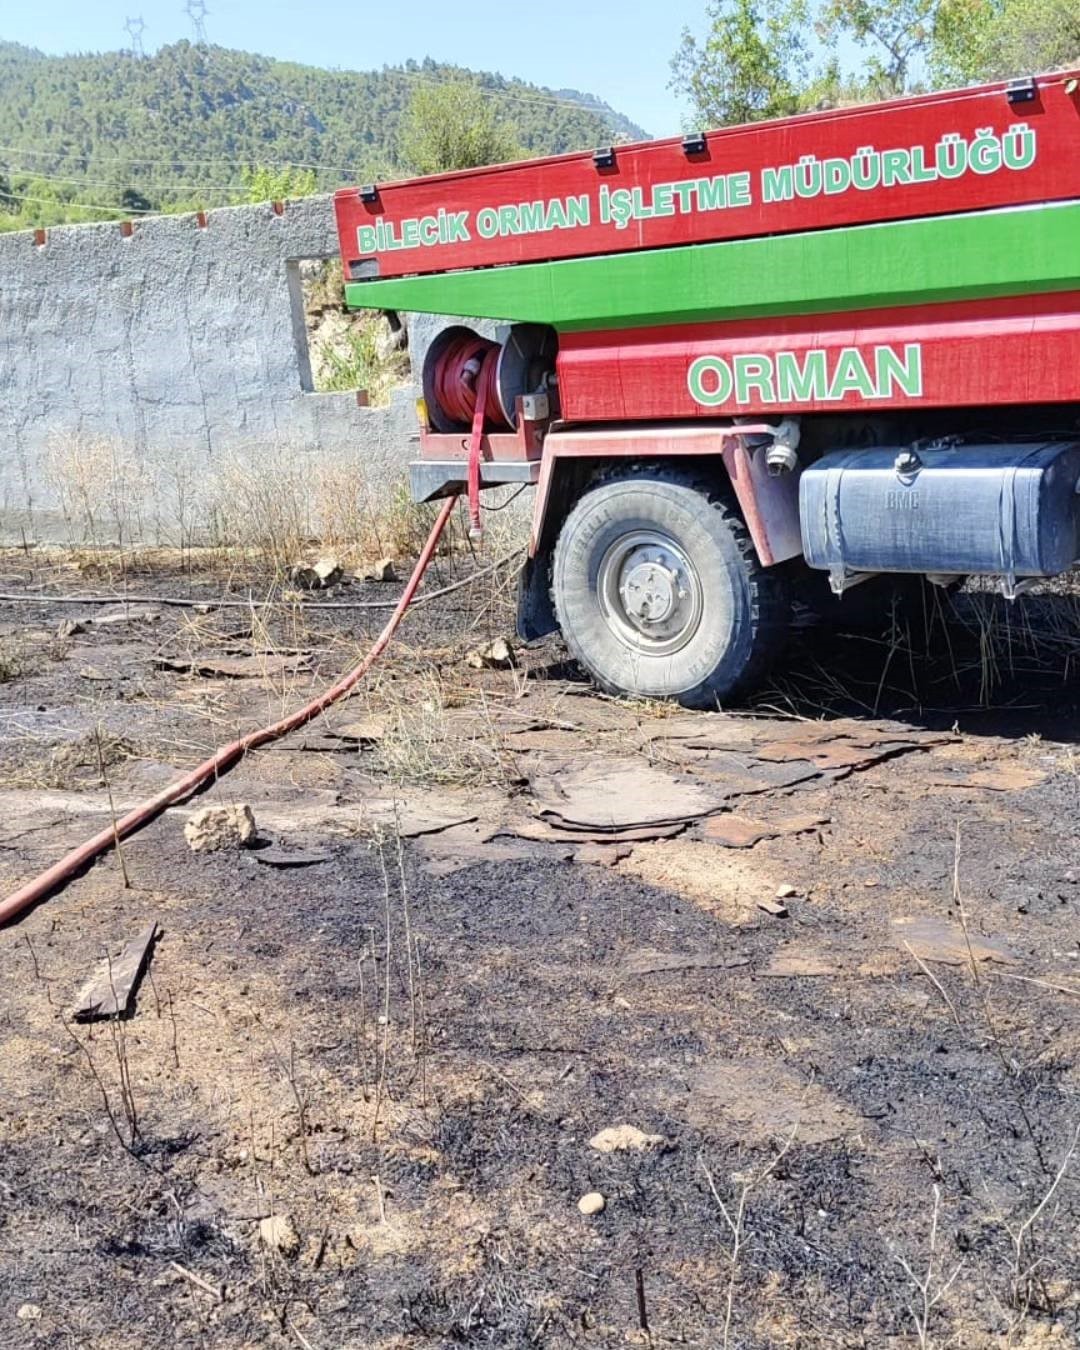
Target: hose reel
(461,365)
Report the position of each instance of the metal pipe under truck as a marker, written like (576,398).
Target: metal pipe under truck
(845,343)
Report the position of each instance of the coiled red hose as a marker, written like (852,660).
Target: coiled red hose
(464,388)
(222,760)
(464,378)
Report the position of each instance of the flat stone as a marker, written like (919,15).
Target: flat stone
(934,939)
(593,1203)
(119,617)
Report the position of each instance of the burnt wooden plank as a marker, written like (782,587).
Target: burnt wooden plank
(109,990)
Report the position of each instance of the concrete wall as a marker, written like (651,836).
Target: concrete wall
(133,369)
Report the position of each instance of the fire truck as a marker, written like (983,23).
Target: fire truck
(843,345)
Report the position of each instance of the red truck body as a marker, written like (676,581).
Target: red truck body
(761,298)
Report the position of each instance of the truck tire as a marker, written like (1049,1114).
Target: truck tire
(659,593)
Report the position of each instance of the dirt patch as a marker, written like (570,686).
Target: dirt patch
(407,1045)
(757,1100)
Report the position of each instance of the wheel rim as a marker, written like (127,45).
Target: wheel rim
(649,593)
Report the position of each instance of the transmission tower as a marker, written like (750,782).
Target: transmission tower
(135,28)
(196,11)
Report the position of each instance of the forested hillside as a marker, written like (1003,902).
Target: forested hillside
(83,137)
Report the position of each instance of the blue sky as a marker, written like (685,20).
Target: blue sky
(617,49)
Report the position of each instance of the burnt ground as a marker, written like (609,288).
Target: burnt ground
(866,1130)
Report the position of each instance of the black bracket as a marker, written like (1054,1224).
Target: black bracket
(1022,91)
(368,193)
(694,143)
(604,158)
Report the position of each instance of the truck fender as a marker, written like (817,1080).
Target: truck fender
(572,459)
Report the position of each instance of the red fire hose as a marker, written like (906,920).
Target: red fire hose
(464,388)
(226,757)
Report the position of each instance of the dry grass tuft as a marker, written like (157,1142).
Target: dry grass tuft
(75,764)
(425,745)
(101,488)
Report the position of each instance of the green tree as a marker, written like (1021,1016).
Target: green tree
(751,63)
(131,199)
(454,126)
(262,184)
(996,39)
(754,60)
(898,35)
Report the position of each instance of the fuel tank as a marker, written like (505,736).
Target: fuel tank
(1008,509)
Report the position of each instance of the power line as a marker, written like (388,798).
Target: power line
(114,186)
(526,96)
(178,159)
(88,206)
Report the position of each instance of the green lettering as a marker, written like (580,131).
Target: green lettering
(508,220)
(753,373)
(457,230)
(555,219)
(895,167)
(777,185)
(894,372)
(531,215)
(410,233)
(640,211)
(578,209)
(365,239)
(851,376)
(685,193)
(662,203)
(709,381)
(807,383)
(738,189)
(711,193)
(487,222)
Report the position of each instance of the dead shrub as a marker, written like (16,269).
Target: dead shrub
(424,745)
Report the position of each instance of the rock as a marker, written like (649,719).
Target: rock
(278,1232)
(205,608)
(593,1203)
(215,827)
(625,1139)
(786,892)
(118,618)
(29,1312)
(329,571)
(495,655)
(383,570)
(316,576)
(776,908)
(69,627)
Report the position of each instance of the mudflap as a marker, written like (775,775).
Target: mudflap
(535,612)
